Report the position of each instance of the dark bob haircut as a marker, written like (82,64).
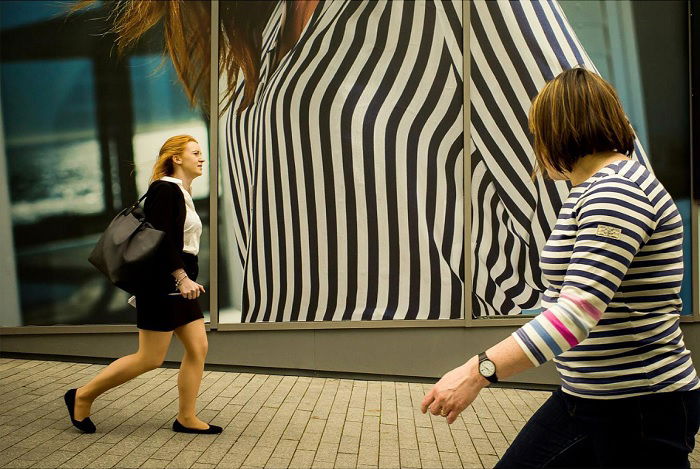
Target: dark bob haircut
(576,114)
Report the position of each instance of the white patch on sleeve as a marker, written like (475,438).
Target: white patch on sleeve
(609,232)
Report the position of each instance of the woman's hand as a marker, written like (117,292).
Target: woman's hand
(455,391)
(190,289)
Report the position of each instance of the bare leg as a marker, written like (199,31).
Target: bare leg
(194,338)
(153,346)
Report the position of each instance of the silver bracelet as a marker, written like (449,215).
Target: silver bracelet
(178,282)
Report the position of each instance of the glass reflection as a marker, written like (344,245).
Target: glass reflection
(82,128)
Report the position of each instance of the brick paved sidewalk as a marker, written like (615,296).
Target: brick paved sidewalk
(269,421)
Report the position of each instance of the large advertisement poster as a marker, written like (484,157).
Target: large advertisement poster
(343,176)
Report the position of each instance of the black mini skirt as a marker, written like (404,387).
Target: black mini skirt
(158,311)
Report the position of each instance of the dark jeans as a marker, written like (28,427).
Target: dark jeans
(656,430)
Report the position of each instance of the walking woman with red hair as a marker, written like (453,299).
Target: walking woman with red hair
(169,208)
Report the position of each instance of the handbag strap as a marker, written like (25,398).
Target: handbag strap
(137,203)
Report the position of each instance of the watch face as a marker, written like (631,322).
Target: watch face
(487,368)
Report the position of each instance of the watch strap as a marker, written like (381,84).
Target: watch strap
(482,358)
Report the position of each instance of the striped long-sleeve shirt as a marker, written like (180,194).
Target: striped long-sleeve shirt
(614,265)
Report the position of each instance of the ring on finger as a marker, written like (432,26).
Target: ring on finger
(443,413)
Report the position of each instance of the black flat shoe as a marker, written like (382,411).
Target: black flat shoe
(85,425)
(212,430)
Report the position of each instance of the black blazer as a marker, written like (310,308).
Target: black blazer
(165,210)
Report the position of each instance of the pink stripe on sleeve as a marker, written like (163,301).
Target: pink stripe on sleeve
(584,305)
(563,330)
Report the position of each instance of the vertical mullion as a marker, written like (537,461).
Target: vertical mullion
(694,95)
(466,158)
(214,167)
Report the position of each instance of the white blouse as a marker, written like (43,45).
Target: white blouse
(193,225)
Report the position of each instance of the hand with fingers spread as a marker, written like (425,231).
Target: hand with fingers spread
(455,391)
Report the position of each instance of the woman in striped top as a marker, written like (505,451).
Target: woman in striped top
(614,265)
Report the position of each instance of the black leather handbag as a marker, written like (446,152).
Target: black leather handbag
(127,247)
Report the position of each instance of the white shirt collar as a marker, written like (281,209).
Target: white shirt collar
(188,196)
(171,179)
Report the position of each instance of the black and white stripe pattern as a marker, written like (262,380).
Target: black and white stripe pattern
(516,47)
(347,172)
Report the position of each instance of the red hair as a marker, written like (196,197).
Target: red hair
(174,146)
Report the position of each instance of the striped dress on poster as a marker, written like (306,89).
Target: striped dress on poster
(346,173)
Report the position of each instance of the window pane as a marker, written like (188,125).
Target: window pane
(82,128)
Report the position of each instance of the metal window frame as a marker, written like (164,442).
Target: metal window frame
(694,98)
(214,166)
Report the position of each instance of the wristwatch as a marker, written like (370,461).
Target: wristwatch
(487,368)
